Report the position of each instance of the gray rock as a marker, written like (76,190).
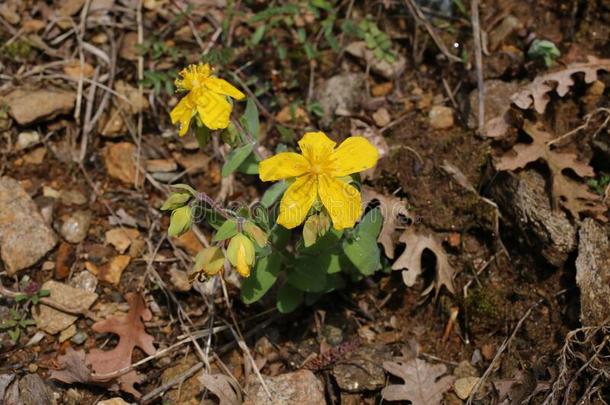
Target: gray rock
(524,202)
(340,95)
(75,226)
(24,236)
(33,391)
(301,387)
(361,370)
(593,273)
(497,103)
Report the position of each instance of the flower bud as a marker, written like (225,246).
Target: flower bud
(241,254)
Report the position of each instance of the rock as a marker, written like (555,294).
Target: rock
(27,139)
(593,273)
(179,279)
(161,165)
(121,238)
(389,70)
(524,201)
(35,157)
(67,333)
(382,117)
(24,236)
(28,106)
(382,90)
(503,31)
(114,401)
(75,226)
(84,281)
(53,321)
(300,387)
(497,104)
(362,370)
(340,95)
(72,197)
(120,161)
(110,272)
(74,70)
(441,117)
(463,386)
(33,391)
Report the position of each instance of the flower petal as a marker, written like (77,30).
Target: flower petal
(354,155)
(316,146)
(182,113)
(193,76)
(282,166)
(341,200)
(223,87)
(214,109)
(297,201)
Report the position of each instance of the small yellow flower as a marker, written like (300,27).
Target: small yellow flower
(318,172)
(240,253)
(207,96)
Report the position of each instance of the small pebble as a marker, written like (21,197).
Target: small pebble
(441,117)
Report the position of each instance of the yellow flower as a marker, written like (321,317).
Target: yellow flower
(317,174)
(207,96)
(240,253)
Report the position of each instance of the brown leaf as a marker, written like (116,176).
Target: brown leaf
(73,367)
(223,387)
(422,383)
(537,91)
(393,209)
(130,329)
(574,197)
(410,260)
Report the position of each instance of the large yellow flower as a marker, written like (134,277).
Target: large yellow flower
(318,172)
(207,96)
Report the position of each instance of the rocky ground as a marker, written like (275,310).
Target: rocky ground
(496,281)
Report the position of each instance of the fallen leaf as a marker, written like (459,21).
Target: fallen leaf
(290,114)
(394,212)
(410,260)
(223,387)
(132,334)
(422,385)
(573,196)
(73,69)
(536,92)
(361,128)
(73,367)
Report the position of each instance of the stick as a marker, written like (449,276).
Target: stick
(478,57)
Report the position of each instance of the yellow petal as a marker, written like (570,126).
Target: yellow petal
(341,200)
(297,201)
(354,155)
(214,109)
(182,113)
(193,76)
(223,87)
(316,146)
(282,166)
(242,266)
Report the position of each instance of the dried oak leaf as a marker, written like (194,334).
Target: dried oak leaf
(537,91)
(73,367)
(410,260)
(393,210)
(130,329)
(223,387)
(422,383)
(573,196)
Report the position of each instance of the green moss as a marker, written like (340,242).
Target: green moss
(18,50)
(483,306)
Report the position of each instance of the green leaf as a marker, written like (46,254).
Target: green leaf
(21,297)
(288,298)
(14,334)
(362,249)
(279,237)
(309,273)
(334,282)
(250,165)
(261,279)
(180,221)
(287,135)
(203,135)
(273,193)
(258,34)
(185,187)
(227,230)
(44,293)
(236,158)
(175,201)
(324,243)
(250,119)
